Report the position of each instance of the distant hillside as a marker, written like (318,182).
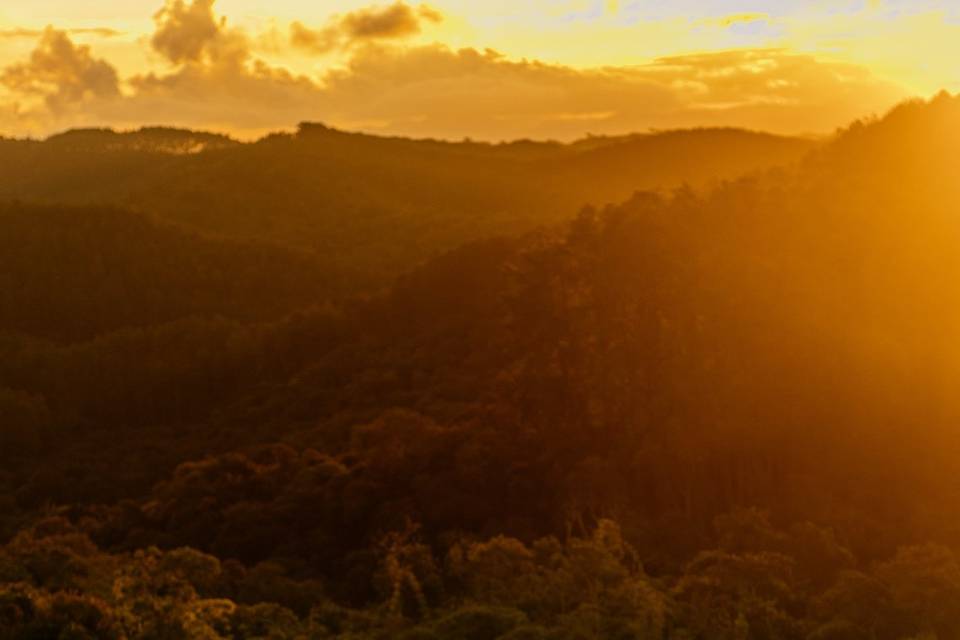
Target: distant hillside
(71,273)
(698,157)
(148,139)
(379,205)
(727,412)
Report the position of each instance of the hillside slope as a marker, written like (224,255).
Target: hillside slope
(72,273)
(378,206)
(726,412)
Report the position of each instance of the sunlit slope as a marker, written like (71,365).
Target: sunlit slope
(871,224)
(380,205)
(613,171)
(789,341)
(786,341)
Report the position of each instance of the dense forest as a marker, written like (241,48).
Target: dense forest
(368,207)
(694,385)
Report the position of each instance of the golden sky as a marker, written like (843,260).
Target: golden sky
(490,69)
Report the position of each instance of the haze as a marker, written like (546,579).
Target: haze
(453,69)
(479,320)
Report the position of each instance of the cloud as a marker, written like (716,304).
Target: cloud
(395,21)
(430,14)
(436,91)
(734,19)
(192,33)
(248,99)
(101,32)
(318,41)
(217,82)
(62,74)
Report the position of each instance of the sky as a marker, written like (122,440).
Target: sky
(490,70)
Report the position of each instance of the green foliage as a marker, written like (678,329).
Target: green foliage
(924,587)
(739,596)
(266,622)
(26,613)
(478,623)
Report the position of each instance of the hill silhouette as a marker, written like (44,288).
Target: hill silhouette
(726,411)
(377,206)
(76,273)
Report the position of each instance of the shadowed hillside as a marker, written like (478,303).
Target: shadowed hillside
(376,206)
(726,412)
(71,273)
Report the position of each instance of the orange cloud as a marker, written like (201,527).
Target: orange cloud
(398,20)
(192,33)
(435,91)
(318,41)
(185,31)
(62,74)
(102,32)
(217,82)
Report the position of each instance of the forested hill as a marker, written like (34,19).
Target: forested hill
(378,206)
(721,413)
(70,273)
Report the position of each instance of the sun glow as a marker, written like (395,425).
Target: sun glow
(831,61)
